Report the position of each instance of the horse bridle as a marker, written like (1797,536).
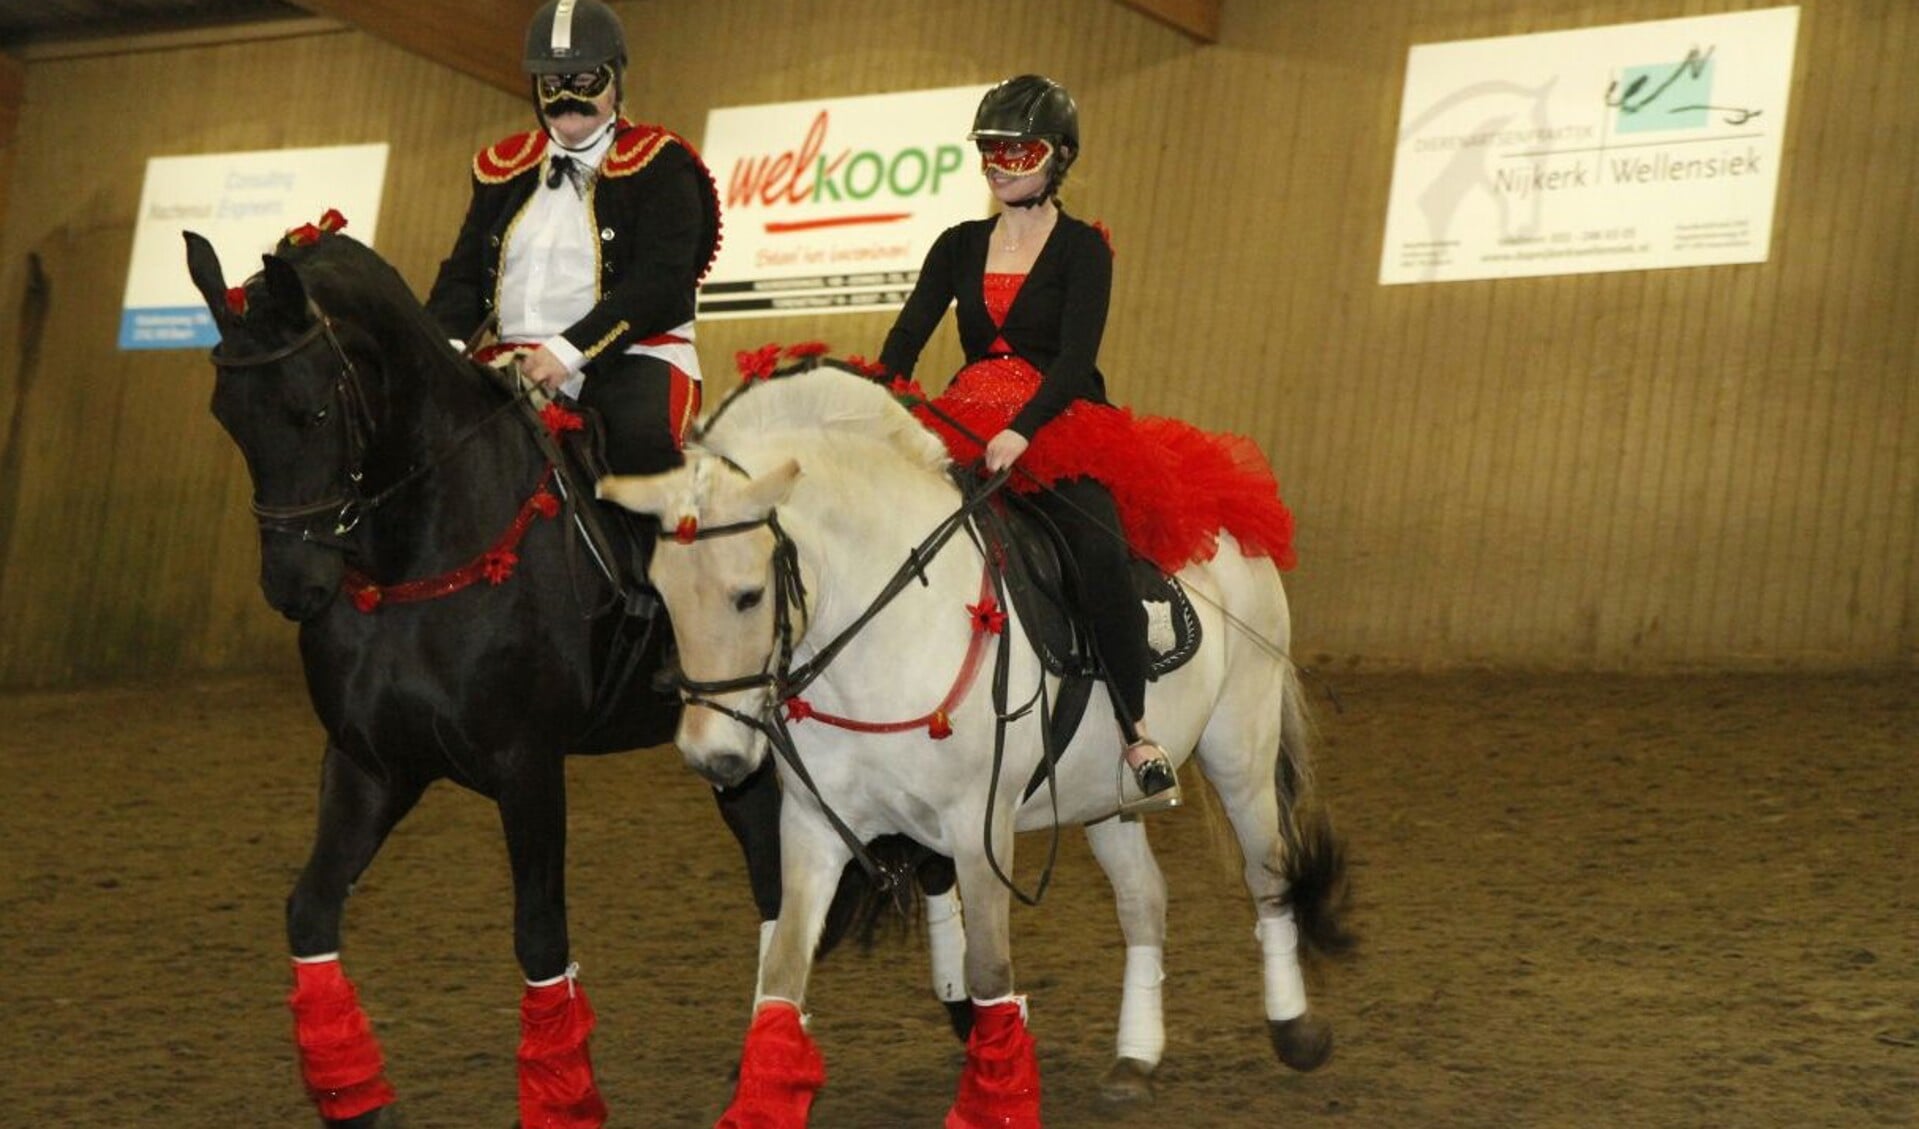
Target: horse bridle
(783,681)
(347,505)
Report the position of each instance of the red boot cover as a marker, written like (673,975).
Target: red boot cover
(999,1088)
(556,1073)
(780,1071)
(339,1058)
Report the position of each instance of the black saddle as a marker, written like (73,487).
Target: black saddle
(1037,573)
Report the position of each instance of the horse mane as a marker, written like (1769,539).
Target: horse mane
(351,280)
(825,402)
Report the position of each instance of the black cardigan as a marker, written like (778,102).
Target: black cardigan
(1055,323)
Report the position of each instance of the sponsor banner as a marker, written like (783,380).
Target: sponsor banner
(1632,147)
(830,205)
(242,203)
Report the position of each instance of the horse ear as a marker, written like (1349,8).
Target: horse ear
(768,490)
(288,293)
(203,264)
(643,494)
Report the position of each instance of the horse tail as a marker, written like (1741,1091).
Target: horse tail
(865,912)
(1317,890)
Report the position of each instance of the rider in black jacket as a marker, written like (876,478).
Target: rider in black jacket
(584,244)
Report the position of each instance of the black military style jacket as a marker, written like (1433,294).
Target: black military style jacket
(654,206)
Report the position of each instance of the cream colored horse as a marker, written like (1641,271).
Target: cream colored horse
(825,469)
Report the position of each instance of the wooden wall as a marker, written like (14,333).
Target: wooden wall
(1714,467)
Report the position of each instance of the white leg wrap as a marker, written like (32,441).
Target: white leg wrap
(1142,1025)
(946,946)
(1285,987)
(759,974)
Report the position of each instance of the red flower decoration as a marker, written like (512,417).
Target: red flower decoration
(798,709)
(872,370)
(497,565)
(759,364)
(237,301)
(545,504)
(304,234)
(687,530)
(939,729)
(1105,233)
(907,391)
(988,619)
(806,349)
(332,220)
(366,600)
(559,420)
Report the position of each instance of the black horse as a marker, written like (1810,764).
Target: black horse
(451,626)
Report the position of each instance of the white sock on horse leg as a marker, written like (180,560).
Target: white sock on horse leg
(946,946)
(1142,1024)
(1285,987)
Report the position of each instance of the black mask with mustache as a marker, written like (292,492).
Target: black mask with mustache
(567,104)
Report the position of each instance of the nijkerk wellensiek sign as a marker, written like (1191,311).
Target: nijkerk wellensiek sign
(1632,147)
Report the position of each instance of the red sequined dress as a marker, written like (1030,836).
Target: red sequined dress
(1175,486)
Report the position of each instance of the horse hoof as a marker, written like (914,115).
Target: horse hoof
(1127,1082)
(959,1014)
(385,1117)
(1303,1042)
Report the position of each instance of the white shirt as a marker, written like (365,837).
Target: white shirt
(550,269)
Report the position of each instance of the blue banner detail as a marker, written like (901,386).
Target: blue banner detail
(168,327)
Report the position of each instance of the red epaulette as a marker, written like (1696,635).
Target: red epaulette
(636,146)
(504,160)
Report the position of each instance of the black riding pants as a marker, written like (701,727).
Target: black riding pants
(1102,594)
(644,403)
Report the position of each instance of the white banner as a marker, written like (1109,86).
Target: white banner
(1632,147)
(829,206)
(242,203)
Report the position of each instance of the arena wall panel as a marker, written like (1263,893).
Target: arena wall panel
(1713,467)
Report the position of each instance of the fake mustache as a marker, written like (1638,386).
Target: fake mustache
(566,104)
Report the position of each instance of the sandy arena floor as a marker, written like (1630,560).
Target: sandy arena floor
(1671,903)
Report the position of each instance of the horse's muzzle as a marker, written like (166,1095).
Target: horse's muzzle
(722,770)
(302,604)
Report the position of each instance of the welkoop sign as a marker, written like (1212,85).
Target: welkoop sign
(830,205)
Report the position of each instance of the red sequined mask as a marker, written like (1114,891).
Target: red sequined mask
(1014,156)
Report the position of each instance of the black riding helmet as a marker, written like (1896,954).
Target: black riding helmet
(575,37)
(1031,106)
(571,36)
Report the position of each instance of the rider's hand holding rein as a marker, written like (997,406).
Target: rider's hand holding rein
(1003,450)
(544,369)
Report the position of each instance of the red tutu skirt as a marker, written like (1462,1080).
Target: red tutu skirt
(1175,486)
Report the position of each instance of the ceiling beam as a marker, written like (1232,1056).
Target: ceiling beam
(1197,18)
(478,38)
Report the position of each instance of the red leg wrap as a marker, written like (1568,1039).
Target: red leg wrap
(339,1057)
(999,1088)
(780,1071)
(556,1073)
